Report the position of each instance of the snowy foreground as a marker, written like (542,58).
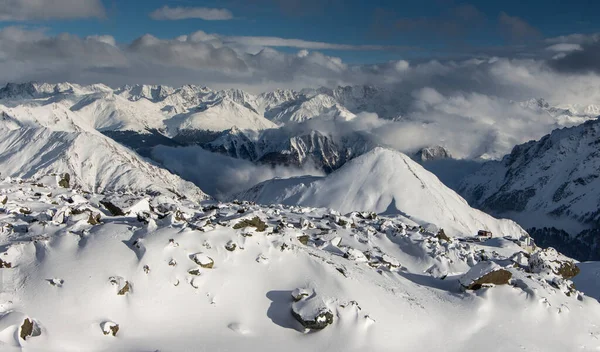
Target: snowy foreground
(87,272)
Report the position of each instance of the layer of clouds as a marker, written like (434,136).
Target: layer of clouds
(23,10)
(182,13)
(219,175)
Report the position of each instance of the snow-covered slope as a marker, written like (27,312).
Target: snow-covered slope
(95,163)
(545,183)
(384,181)
(173,275)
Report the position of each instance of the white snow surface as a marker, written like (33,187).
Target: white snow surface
(94,162)
(245,303)
(389,182)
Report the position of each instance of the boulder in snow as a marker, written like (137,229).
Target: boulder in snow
(255,222)
(203,260)
(484,274)
(312,312)
(109,328)
(29,328)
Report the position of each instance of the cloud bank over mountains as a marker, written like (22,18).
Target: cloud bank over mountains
(255,63)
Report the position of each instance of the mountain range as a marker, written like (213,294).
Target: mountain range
(550,187)
(50,128)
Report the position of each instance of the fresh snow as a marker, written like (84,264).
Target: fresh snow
(95,163)
(389,182)
(136,274)
(552,182)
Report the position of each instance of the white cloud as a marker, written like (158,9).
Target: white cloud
(275,42)
(564,47)
(106,39)
(24,10)
(182,13)
(465,105)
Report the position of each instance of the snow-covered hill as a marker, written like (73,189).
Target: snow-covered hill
(174,275)
(548,183)
(95,163)
(384,181)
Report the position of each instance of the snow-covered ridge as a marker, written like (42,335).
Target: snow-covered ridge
(384,181)
(95,163)
(82,271)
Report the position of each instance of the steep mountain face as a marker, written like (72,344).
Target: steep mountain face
(171,274)
(384,181)
(431,154)
(381,101)
(218,115)
(94,163)
(305,108)
(550,183)
(291,147)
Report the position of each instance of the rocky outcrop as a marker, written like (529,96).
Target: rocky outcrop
(311,310)
(485,274)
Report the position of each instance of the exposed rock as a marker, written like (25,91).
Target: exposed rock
(29,329)
(231,246)
(56,282)
(94,219)
(195,272)
(65,181)
(4,264)
(550,261)
(312,312)
(255,222)
(118,281)
(124,290)
(303,239)
(484,274)
(300,293)
(441,235)
(432,153)
(109,328)
(4,200)
(203,260)
(113,209)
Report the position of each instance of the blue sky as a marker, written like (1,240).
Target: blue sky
(346,22)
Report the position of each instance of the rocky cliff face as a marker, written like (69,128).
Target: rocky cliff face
(551,185)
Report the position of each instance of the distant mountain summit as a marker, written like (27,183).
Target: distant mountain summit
(551,183)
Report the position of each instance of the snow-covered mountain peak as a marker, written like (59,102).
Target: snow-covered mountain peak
(153,93)
(552,182)
(385,181)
